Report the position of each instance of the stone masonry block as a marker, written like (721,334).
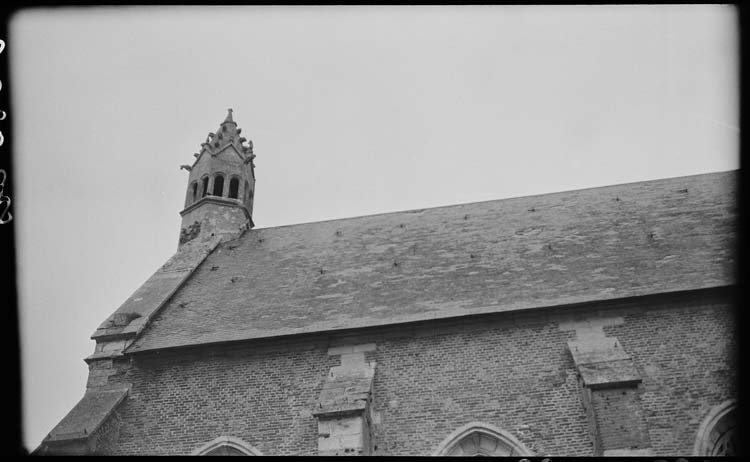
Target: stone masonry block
(603,363)
(340,350)
(596,350)
(648,452)
(96,381)
(343,403)
(101,364)
(609,374)
(341,425)
(589,326)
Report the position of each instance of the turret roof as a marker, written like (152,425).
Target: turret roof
(227,134)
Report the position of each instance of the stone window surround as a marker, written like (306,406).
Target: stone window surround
(703,442)
(469,429)
(229,441)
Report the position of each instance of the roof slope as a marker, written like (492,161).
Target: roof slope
(512,254)
(88,415)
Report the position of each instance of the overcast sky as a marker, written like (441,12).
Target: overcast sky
(352,111)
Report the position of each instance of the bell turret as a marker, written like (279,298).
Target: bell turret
(221,186)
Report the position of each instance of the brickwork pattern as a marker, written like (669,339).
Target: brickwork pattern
(104,441)
(513,372)
(262,396)
(687,359)
(619,419)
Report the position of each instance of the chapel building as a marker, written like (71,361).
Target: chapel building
(578,323)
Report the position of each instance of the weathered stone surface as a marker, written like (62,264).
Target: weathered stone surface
(608,379)
(621,422)
(341,436)
(601,361)
(609,374)
(628,452)
(596,349)
(217,217)
(215,212)
(343,409)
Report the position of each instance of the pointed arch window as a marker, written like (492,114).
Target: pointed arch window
(480,439)
(717,435)
(204,186)
(227,446)
(234,188)
(219,185)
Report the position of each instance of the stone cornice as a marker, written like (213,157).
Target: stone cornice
(224,201)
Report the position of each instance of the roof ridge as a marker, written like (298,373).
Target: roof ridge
(424,209)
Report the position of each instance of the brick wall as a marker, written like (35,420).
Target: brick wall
(687,359)
(619,418)
(106,438)
(263,396)
(511,371)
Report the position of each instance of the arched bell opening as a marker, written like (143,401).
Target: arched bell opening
(234,188)
(219,185)
(204,186)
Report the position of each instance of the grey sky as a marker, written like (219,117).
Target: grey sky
(352,111)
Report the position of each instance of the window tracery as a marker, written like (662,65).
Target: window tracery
(480,439)
(227,446)
(717,435)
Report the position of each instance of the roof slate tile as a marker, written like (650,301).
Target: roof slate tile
(512,254)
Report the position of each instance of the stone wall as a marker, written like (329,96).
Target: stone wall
(514,372)
(213,216)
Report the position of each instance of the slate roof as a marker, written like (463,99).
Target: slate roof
(511,254)
(88,415)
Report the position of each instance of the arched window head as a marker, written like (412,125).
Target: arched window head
(480,439)
(218,185)
(226,446)
(194,191)
(234,188)
(204,188)
(717,435)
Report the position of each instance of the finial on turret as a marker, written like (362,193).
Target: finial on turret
(229,116)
